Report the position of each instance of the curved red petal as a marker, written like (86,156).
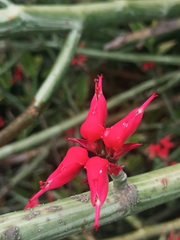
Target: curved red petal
(98,182)
(93,126)
(69,168)
(115,136)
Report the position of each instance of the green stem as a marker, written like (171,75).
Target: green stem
(119,181)
(56,75)
(11,62)
(10,98)
(44,135)
(96,53)
(151,231)
(134,221)
(19,18)
(69,216)
(153,83)
(24,171)
(46,90)
(6,3)
(130,57)
(27,169)
(169,107)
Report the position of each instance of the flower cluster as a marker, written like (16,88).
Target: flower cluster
(147,65)
(17,74)
(78,60)
(160,149)
(107,144)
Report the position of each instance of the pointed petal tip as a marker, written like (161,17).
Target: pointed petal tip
(98,84)
(31,204)
(147,102)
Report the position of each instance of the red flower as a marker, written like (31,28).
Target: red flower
(17,74)
(147,65)
(93,126)
(152,150)
(1,122)
(98,182)
(160,149)
(163,153)
(78,60)
(173,236)
(115,136)
(166,142)
(68,169)
(173,163)
(106,144)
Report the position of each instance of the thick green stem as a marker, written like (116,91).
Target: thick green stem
(62,218)
(18,18)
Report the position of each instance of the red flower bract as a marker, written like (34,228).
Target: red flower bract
(93,126)
(69,168)
(98,182)
(115,136)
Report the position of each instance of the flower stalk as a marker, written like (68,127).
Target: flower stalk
(119,181)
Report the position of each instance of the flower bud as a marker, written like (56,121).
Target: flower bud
(93,126)
(115,136)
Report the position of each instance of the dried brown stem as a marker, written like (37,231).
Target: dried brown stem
(20,123)
(162,28)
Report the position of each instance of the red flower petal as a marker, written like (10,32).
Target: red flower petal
(166,142)
(114,169)
(115,136)
(90,146)
(32,204)
(125,148)
(98,182)
(69,168)
(152,150)
(93,126)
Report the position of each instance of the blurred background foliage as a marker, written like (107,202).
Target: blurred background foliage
(26,60)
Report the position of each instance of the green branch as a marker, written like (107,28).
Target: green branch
(19,18)
(130,57)
(25,170)
(68,216)
(148,232)
(100,54)
(46,90)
